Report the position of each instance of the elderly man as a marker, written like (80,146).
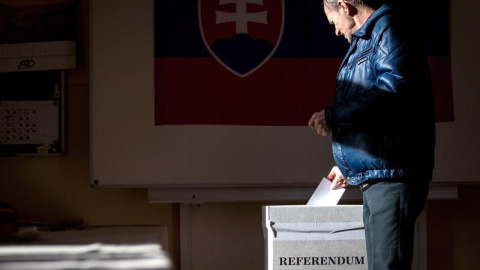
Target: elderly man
(382,125)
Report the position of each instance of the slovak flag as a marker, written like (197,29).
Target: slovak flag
(251,62)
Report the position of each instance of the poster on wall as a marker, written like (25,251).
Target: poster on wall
(261,62)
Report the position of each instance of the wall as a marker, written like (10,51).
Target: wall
(57,188)
(453,237)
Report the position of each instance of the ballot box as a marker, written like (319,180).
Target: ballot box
(314,237)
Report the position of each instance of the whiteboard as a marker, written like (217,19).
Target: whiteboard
(128,150)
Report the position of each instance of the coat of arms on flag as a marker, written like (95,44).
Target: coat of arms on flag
(241,34)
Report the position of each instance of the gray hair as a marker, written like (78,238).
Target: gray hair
(358,3)
(351,2)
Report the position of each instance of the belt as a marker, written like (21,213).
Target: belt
(366,185)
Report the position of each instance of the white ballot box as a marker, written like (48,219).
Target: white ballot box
(314,237)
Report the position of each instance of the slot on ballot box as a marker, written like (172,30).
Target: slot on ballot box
(314,237)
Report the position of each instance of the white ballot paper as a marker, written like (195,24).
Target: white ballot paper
(324,196)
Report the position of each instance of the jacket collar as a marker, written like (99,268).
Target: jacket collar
(368,26)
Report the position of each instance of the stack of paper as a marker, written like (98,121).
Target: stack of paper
(106,248)
(93,256)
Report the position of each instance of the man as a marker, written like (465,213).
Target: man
(382,125)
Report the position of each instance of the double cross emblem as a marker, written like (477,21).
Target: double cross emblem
(241,35)
(241,17)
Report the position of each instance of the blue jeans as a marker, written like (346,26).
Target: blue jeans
(390,210)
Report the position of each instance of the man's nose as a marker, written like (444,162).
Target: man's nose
(337,32)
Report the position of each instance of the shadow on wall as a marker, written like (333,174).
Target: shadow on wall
(452,231)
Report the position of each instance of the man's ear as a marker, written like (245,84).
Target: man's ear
(346,8)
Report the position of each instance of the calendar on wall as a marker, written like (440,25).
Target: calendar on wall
(31,113)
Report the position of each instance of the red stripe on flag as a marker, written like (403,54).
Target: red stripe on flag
(283,92)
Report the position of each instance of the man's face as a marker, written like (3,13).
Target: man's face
(344,24)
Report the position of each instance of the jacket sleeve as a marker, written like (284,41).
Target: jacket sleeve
(380,102)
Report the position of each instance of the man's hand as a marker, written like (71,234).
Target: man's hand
(319,124)
(337,178)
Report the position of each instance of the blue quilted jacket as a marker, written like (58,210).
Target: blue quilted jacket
(382,116)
